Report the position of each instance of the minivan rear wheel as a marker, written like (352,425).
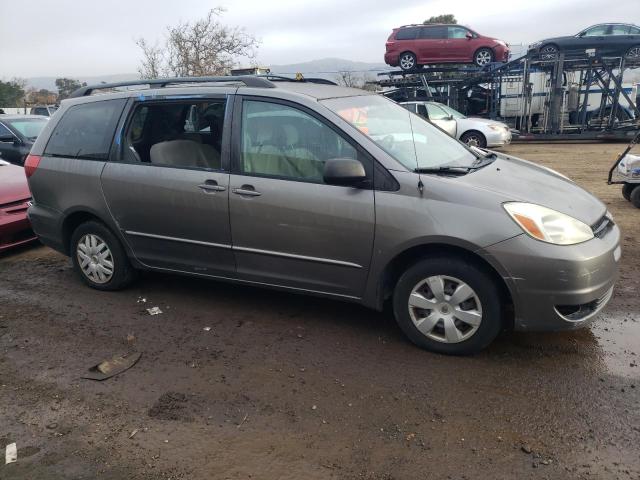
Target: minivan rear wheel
(448,305)
(627,188)
(407,61)
(99,257)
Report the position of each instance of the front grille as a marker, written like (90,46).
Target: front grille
(602,226)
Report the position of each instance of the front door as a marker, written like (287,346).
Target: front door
(169,192)
(289,228)
(440,118)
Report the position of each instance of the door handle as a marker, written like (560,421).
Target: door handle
(246,190)
(211,186)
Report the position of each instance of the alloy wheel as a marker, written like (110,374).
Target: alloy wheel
(445,309)
(407,61)
(549,53)
(95,258)
(483,57)
(473,140)
(634,53)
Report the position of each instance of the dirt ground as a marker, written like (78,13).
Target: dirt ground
(291,387)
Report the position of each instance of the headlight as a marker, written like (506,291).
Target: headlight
(548,225)
(496,127)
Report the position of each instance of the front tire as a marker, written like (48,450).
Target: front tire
(99,258)
(634,197)
(448,305)
(483,57)
(627,189)
(474,138)
(407,61)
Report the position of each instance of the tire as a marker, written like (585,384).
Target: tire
(549,52)
(635,197)
(633,53)
(627,188)
(407,61)
(483,57)
(484,301)
(474,138)
(109,267)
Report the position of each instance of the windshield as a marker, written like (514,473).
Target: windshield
(412,141)
(28,127)
(451,111)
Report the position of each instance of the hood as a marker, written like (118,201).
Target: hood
(13,184)
(522,181)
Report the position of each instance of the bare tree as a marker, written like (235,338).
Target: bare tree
(152,61)
(199,48)
(347,78)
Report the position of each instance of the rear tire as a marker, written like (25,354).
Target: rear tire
(435,319)
(407,61)
(99,258)
(633,53)
(548,52)
(474,138)
(635,197)
(627,188)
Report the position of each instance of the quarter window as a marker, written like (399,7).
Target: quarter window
(407,33)
(176,134)
(86,130)
(282,141)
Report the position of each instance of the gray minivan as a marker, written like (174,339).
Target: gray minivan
(319,189)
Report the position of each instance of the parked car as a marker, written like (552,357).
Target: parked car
(412,46)
(479,132)
(14,200)
(17,134)
(323,190)
(605,38)
(44,110)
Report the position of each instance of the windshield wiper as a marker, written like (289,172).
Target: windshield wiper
(450,170)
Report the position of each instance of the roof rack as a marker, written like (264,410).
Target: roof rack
(248,80)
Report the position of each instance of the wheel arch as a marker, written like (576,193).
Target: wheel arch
(402,260)
(73,219)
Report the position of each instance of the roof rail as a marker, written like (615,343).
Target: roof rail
(248,80)
(301,79)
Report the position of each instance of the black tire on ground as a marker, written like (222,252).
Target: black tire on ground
(123,273)
(627,188)
(475,138)
(475,277)
(407,61)
(635,197)
(483,56)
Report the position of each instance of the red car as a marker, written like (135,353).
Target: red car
(411,46)
(15,228)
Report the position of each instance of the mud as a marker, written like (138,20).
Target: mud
(291,387)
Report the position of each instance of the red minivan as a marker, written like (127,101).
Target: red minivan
(413,45)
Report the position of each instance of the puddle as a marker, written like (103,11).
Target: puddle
(618,336)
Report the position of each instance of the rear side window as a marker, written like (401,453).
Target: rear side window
(433,32)
(407,33)
(86,131)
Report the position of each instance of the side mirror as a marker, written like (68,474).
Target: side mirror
(469,35)
(7,138)
(343,171)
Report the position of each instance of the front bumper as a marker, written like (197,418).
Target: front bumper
(557,287)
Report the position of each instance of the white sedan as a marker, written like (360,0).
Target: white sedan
(479,132)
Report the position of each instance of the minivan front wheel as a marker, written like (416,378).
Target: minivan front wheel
(448,305)
(99,258)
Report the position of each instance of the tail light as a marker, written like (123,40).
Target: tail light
(31,163)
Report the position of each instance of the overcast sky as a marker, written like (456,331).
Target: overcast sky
(86,37)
